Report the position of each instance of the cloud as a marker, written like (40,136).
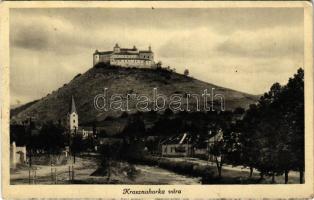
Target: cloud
(196,43)
(265,43)
(222,20)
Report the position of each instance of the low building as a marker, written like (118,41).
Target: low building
(177,146)
(86,131)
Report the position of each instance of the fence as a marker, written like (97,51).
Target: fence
(54,176)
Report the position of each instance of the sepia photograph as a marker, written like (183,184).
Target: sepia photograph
(150,94)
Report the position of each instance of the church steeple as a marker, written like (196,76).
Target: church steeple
(73,117)
(73,108)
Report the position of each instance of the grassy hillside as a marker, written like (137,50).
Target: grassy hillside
(121,81)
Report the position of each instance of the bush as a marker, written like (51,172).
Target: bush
(78,75)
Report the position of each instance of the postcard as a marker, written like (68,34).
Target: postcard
(157,99)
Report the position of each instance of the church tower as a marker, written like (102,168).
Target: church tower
(73,117)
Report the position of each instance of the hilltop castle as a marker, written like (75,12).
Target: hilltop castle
(125,57)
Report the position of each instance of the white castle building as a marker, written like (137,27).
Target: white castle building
(126,57)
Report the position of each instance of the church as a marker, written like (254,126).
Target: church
(73,123)
(126,57)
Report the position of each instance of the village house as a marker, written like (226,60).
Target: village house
(177,146)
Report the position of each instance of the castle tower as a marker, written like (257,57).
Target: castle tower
(151,57)
(95,57)
(116,48)
(73,117)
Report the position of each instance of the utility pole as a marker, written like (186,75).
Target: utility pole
(29,150)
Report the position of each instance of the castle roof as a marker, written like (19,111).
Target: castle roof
(122,51)
(127,49)
(145,51)
(103,52)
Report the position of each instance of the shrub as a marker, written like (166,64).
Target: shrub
(78,75)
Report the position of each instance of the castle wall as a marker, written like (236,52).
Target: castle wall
(147,55)
(126,57)
(114,56)
(132,63)
(95,59)
(104,58)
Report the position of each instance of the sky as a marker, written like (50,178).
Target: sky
(246,49)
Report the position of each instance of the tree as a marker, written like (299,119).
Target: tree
(221,147)
(159,65)
(18,135)
(77,145)
(292,102)
(186,72)
(135,128)
(249,150)
(109,152)
(272,136)
(217,150)
(52,138)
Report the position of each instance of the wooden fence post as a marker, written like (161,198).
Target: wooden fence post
(56,178)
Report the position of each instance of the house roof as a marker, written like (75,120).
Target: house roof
(178,139)
(215,137)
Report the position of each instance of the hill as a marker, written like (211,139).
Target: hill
(122,81)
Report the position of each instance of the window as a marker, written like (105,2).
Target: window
(73,120)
